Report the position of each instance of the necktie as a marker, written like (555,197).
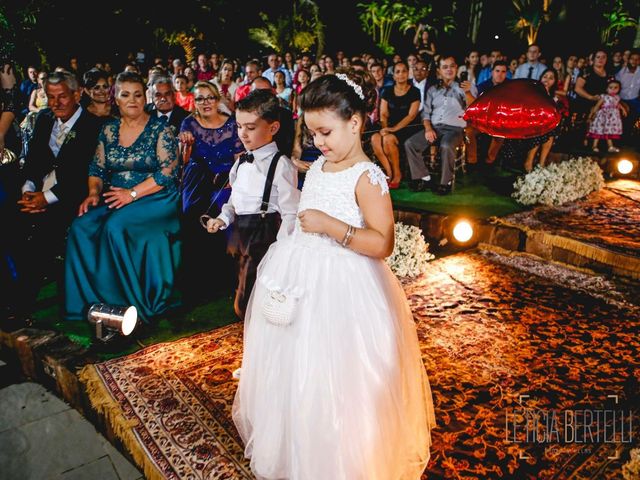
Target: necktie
(164,118)
(530,75)
(246,157)
(60,136)
(50,179)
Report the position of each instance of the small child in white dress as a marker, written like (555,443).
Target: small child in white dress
(333,385)
(606,116)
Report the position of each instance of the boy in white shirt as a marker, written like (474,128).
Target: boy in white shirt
(264,196)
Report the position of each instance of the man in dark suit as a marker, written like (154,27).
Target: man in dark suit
(164,103)
(55,177)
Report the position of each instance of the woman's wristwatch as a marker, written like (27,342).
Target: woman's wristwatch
(133,194)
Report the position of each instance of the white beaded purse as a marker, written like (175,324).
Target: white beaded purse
(280,305)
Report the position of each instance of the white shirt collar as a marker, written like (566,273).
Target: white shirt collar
(68,125)
(420,83)
(161,114)
(265,151)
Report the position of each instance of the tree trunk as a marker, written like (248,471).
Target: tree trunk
(475,15)
(636,42)
(293,28)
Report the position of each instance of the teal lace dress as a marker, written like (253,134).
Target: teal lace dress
(127,256)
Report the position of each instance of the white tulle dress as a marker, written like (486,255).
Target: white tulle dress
(340,393)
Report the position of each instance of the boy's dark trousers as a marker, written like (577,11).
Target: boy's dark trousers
(254,234)
(250,240)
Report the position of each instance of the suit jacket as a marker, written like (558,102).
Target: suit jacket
(71,164)
(178,114)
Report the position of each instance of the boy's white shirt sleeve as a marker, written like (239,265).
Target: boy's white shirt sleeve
(228,210)
(286,181)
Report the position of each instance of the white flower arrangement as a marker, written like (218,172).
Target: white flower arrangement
(559,183)
(631,469)
(410,252)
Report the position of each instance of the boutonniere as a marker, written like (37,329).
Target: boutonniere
(70,136)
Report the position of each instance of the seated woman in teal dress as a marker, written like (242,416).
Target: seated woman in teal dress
(125,251)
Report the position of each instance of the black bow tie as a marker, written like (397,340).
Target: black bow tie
(246,157)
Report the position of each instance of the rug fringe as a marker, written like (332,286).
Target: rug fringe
(593,252)
(103,403)
(599,254)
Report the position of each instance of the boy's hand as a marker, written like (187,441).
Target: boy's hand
(313,221)
(215,224)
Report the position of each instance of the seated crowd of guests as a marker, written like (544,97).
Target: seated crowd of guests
(116,170)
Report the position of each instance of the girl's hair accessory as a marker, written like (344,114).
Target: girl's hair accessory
(356,88)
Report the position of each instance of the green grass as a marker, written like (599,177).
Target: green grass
(175,324)
(476,195)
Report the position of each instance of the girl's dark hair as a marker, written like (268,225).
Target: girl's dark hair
(554,87)
(306,72)
(476,69)
(330,93)
(90,78)
(613,80)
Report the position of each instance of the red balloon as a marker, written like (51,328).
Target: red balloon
(517,108)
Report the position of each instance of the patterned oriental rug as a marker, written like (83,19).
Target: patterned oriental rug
(499,343)
(170,404)
(605,226)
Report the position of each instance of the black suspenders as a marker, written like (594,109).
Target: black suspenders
(269,184)
(264,206)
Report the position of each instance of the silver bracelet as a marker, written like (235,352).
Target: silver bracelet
(347,236)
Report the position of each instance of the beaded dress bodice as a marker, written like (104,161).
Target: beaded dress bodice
(334,193)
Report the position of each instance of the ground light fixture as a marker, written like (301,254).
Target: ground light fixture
(112,319)
(624,166)
(462,231)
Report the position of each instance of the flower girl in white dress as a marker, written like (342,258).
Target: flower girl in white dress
(332,385)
